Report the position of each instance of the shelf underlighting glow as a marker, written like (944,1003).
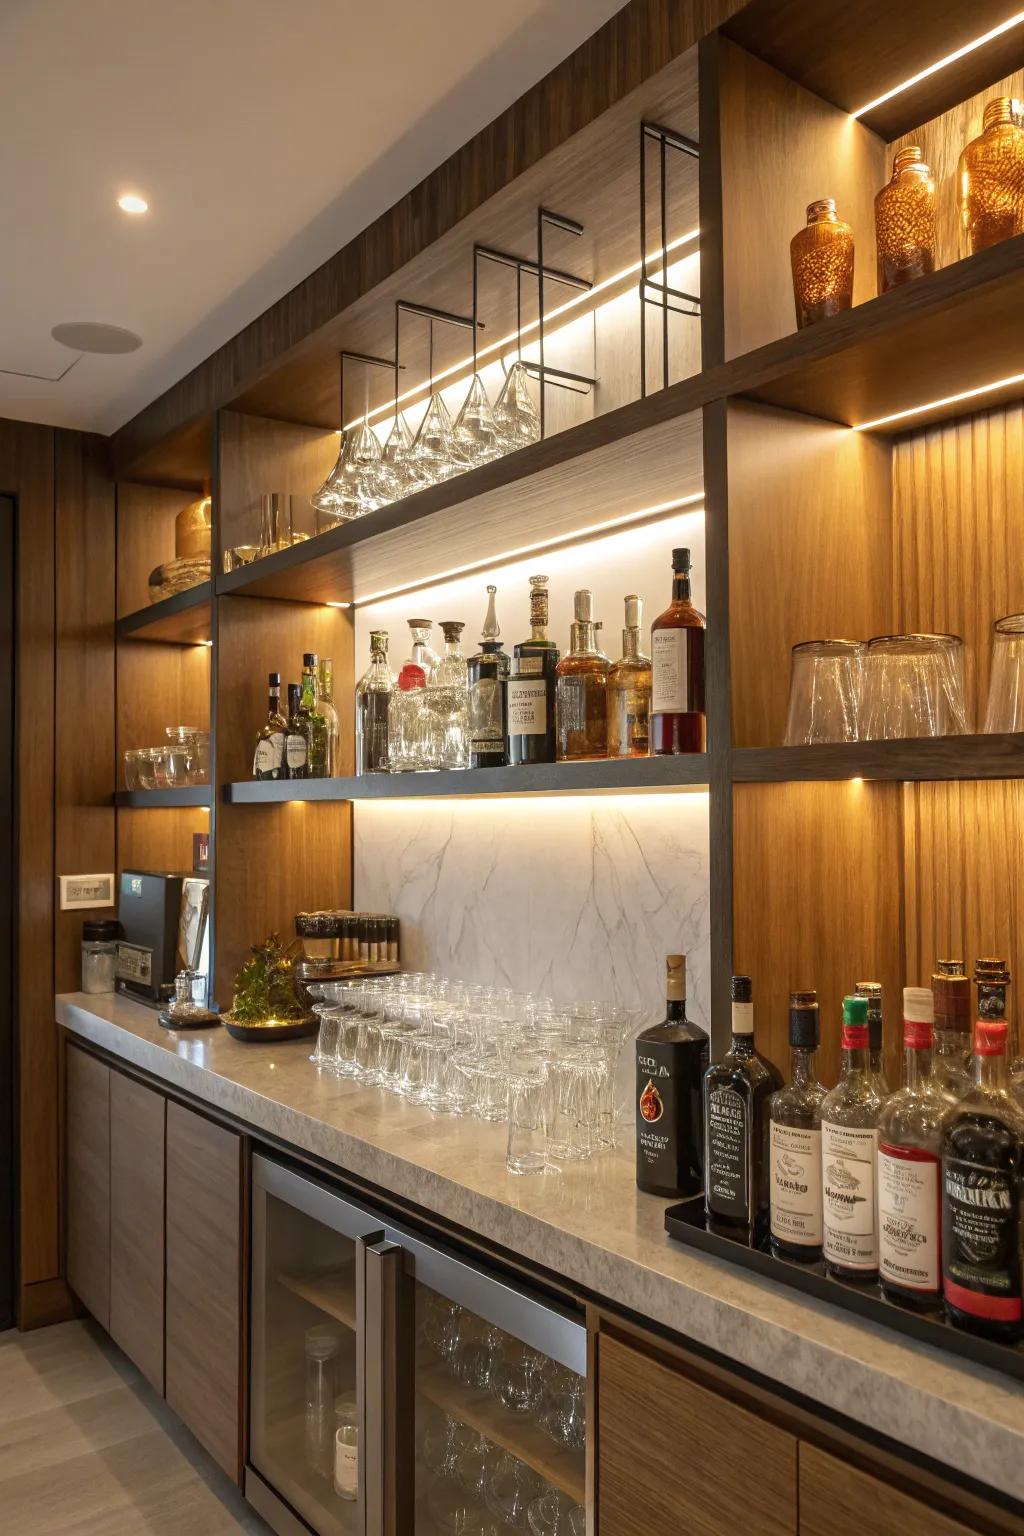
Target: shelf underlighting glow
(935,405)
(950,58)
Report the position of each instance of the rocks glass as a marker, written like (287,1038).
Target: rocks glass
(913,686)
(1005,708)
(824,692)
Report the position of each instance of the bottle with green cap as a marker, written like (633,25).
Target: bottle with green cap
(849,1155)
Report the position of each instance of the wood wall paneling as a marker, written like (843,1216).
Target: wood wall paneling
(159,839)
(259,456)
(88,1182)
(137,1117)
(159,685)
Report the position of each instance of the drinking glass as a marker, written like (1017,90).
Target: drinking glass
(133,771)
(325,1052)
(1005,708)
(153,769)
(518,1376)
(512,1490)
(913,686)
(476,1346)
(440,1320)
(515,415)
(572,1107)
(477,1522)
(555,1514)
(527,1146)
(477,1464)
(177,763)
(824,692)
(347,1059)
(565,1411)
(412,1069)
(275,522)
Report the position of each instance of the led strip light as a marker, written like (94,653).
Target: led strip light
(950,58)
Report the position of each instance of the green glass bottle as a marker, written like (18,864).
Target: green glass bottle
(317,766)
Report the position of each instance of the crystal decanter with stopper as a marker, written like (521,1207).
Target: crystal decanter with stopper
(448,699)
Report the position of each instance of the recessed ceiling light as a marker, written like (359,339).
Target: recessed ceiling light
(131,202)
(90,336)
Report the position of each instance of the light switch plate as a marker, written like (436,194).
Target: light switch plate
(86,891)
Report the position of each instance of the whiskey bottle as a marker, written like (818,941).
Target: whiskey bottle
(325,693)
(795,1141)
(677,663)
(316,721)
(629,691)
(488,701)
(671,1058)
(909,1155)
(269,760)
(581,690)
(737,1095)
(951,992)
(531,686)
(296,742)
(983,1197)
(872,990)
(849,1153)
(373,695)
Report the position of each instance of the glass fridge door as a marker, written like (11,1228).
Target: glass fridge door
(315,1410)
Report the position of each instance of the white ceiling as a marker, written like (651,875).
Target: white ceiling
(264,134)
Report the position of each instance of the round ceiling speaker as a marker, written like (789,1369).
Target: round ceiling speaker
(90,336)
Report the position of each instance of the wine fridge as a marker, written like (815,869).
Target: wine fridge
(399,1387)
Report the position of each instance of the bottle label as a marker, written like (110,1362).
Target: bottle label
(529,666)
(269,755)
(848,1195)
(981,1240)
(296,752)
(796,1185)
(908,1218)
(486,727)
(728,1155)
(670,675)
(527,706)
(668,1115)
(346,1467)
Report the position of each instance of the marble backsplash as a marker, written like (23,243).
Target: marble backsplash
(577,897)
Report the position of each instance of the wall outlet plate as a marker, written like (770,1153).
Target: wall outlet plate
(86,891)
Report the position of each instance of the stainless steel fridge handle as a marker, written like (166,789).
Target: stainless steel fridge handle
(384,1387)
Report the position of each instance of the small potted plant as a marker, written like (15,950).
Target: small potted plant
(266,1005)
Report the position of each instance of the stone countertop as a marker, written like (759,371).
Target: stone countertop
(590,1225)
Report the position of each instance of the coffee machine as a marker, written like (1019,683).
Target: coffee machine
(163,923)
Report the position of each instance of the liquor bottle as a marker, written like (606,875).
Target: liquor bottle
(905,221)
(872,990)
(737,1095)
(373,695)
(448,699)
(488,702)
(413,735)
(795,1141)
(677,662)
(983,1197)
(581,690)
(269,761)
(296,743)
(990,178)
(849,1153)
(316,721)
(325,680)
(821,259)
(909,1157)
(531,686)
(671,1059)
(992,979)
(629,691)
(951,991)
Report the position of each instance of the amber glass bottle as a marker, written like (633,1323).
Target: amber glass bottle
(581,690)
(629,691)
(991,179)
(821,255)
(905,221)
(677,660)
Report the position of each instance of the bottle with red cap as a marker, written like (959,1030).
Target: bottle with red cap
(909,1159)
(849,1153)
(983,1197)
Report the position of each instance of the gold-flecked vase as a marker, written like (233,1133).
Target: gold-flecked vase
(822,259)
(991,179)
(905,221)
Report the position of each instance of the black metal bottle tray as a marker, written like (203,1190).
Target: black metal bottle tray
(686,1223)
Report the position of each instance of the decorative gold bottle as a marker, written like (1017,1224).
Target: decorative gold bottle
(991,179)
(822,259)
(905,221)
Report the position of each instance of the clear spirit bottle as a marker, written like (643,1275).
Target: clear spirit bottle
(407,722)
(296,743)
(422,653)
(951,991)
(872,990)
(269,760)
(373,696)
(983,1197)
(317,729)
(737,1095)
(325,681)
(849,1155)
(677,661)
(531,686)
(795,1141)
(629,691)
(448,700)
(488,701)
(671,1059)
(581,690)
(909,1157)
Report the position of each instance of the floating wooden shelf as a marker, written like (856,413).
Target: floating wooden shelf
(623,775)
(153,799)
(184,619)
(938,757)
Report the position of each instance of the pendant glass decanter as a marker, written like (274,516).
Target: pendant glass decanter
(515,415)
(398,476)
(476,435)
(353,486)
(432,452)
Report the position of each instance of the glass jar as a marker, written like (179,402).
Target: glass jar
(133,770)
(990,177)
(346,1446)
(99,954)
(905,221)
(821,255)
(322,1348)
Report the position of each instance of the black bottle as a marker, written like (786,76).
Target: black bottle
(737,1094)
(671,1059)
(531,686)
(488,704)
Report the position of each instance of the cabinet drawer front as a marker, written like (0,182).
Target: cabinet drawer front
(673,1456)
(839,1500)
(88,1182)
(137,1224)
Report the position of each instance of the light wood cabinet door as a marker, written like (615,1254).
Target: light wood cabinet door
(839,1500)
(673,1456)
(137,1117)
(204,1282)
(87,1181)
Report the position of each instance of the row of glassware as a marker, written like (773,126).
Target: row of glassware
(550,1072)
(899,686)
(185,759)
